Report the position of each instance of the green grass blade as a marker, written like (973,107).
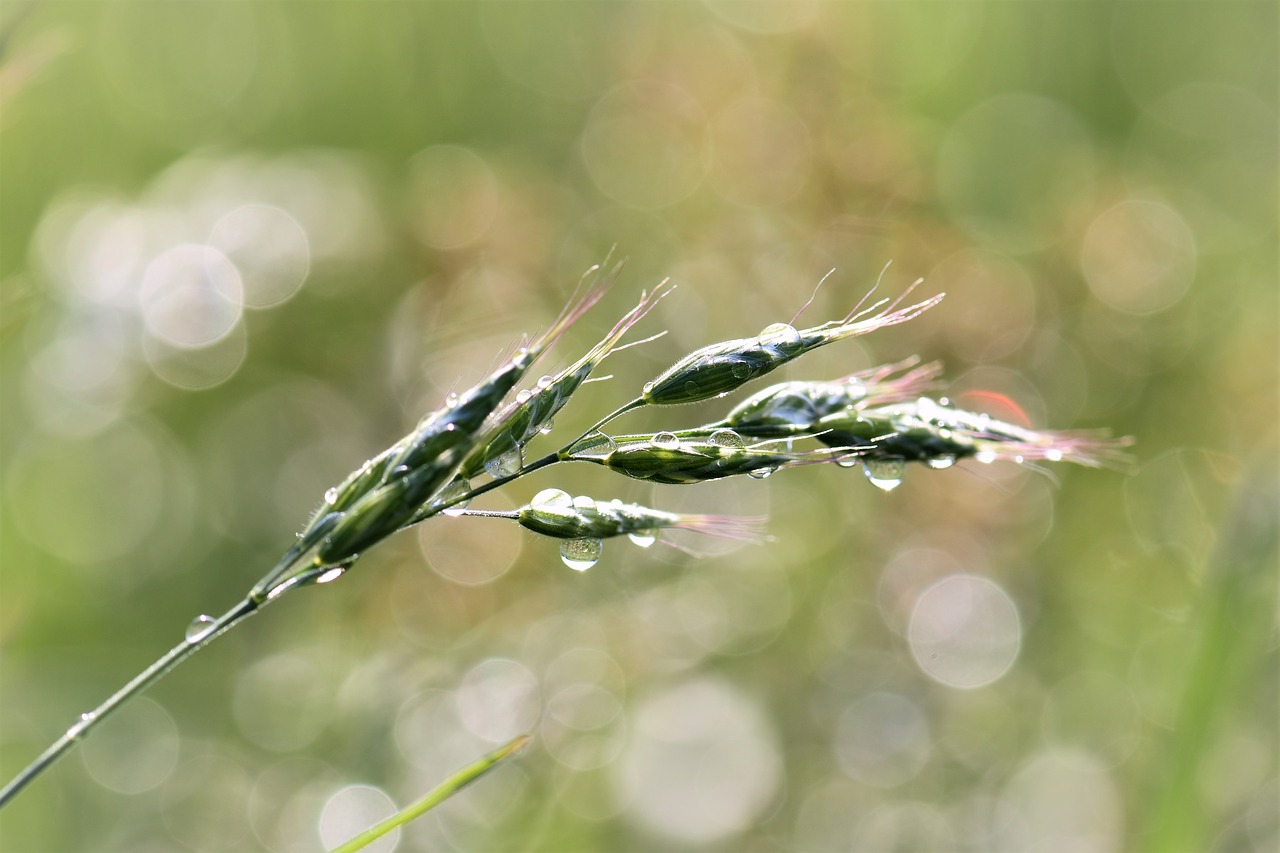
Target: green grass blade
(437,795)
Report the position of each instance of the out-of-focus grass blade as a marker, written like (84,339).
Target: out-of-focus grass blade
(437,795)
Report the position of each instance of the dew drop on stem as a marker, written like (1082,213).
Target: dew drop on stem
(581,554)
(551,498)
(780,334)
(505,464)
(939,463)
(665,441)
(725,438)
(760,473)
(199,628)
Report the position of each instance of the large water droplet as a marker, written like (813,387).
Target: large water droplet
(449,493)
(581,554)
(780,334)
(597,446)
(199,628)
(332,574)
(643,538)
(551,498)
(331,496)
(761,473)
(938,463)
(505,464)
(648,387)
(665,441)
(725,438)
(584,502)
(544,382)
(885,473)
(546,427)
(524,396)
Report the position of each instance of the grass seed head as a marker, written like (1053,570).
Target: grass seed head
(385,493)
(693,456)
(721,368)
(555,513)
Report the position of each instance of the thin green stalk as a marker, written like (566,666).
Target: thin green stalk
(437,795)
(141,682)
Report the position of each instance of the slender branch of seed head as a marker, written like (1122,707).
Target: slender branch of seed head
(140,682)
(812,296)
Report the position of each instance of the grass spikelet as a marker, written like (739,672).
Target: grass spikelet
(938,435)
(693,456)
(555,513)
(386,493)
(513,426)
(721,368)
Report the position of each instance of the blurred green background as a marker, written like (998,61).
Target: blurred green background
(243,246)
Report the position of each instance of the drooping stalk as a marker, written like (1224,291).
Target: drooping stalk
(149,676)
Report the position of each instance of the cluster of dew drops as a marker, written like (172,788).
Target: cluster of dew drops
(582,554)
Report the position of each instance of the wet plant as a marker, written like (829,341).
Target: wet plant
(880,420)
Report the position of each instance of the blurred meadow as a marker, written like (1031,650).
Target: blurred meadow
(245,245)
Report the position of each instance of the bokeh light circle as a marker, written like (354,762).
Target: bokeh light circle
(351,811)
(647,144)
(191,296)
(965,631)
(136,749)
(1139,257)
(269,247)
(701,763)
(1011,168)
(883,740)
(499,699)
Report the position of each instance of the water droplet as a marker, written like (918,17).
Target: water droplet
(927,410)
(584,502)
(331,496)
(848,461)
(939,463)
(740,369)
(643,538)
(505,464)
(456,489)
(986,457)
(597,446)
(581,554)
(780,334)
(451,400)
(648,387)
(86,719)
(855,390)
(332,574)
(544,382)
(1053,454)
(885,473)
(760,473)
(945,402)
(551,498)
(524,396)
(665,441)
(199,628)
(725,438)
(546,427)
